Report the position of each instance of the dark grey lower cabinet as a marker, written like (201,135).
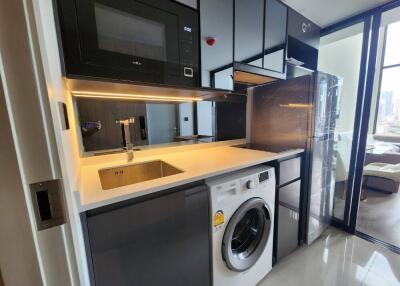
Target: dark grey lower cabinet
(288,206)
(288,222)
(161,240)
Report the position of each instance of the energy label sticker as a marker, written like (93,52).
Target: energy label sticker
(219,218)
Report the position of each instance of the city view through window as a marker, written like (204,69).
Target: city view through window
(388,119)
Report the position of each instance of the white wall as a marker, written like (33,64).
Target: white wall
(66,140)
(33,134)
(340,55)
(219,15)
(186,112)
(18,261)
(342,58)
(161,123)
(205,112)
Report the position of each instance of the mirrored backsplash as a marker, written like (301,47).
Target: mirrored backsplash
(158,123)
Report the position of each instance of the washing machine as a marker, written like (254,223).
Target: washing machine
(242,206)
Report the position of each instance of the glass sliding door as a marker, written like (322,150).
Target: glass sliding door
(378,211)
(341,54)
(387,112)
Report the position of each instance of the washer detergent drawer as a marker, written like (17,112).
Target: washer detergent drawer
(159,241)
(226,191)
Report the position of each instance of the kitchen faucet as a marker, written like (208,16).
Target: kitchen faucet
(128,146)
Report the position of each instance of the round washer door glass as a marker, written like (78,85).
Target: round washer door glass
(246,235)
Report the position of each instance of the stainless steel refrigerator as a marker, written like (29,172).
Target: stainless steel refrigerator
(301,113)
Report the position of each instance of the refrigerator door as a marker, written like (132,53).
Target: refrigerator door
(322,154)
(301,112)
(281,114)
(325,98)
(321,185)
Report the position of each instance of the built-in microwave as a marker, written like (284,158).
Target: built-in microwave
(146,41)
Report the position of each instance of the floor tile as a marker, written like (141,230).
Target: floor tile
(335,246)
(379,216)
(314,271)
(337,259)
(374,279)
(387,265)
(360,251)
(274,279)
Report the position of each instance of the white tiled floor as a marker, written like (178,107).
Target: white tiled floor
(379,216)
(337,259)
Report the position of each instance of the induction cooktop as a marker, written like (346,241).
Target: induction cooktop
(260,147)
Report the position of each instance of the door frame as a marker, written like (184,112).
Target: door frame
(364,124)
(370,83)
(372,20)
(366,20)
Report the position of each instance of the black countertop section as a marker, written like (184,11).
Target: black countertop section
(266,148)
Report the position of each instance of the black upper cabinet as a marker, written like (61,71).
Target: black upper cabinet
(152,41)
(260,37)
(244,36)
(275,36)
(157,41)
(303,29)
(303,40)
(216,41)
(249,38)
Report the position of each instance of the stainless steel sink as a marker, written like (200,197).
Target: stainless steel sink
(131,174)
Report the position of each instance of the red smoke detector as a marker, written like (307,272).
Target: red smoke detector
(210,41)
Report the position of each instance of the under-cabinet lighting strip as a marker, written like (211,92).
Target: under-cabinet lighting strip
(296,105)
(106,95)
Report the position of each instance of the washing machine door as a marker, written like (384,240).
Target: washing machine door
(247,234)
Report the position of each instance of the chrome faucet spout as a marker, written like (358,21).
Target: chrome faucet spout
(129,152)
(125,127)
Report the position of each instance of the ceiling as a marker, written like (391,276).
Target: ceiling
(327,12)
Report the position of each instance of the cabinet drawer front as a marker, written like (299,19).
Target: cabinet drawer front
(288,219)
(288,228)
(289,195)
(289,170)
(160,241)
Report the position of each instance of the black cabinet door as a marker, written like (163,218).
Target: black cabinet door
(275,35)
(302,29)
(216,20)
(249,28)
(160,241)
(230,120)
(303,40)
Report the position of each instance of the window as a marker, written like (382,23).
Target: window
(388,112)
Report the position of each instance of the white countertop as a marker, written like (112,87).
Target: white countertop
(196,165)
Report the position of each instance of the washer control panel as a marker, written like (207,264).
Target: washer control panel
(250,184)
(263,176)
